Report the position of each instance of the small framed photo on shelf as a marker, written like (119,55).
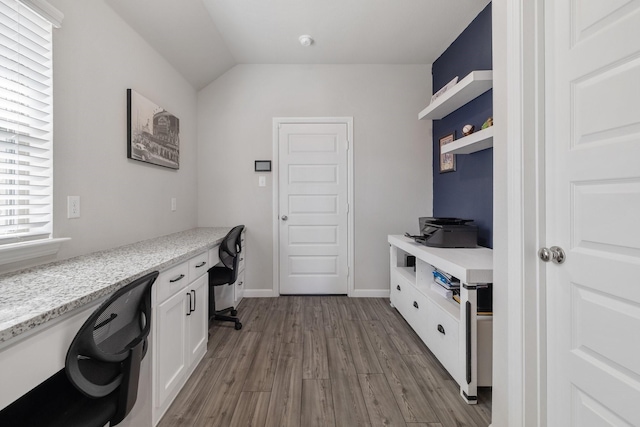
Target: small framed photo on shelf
(447,160)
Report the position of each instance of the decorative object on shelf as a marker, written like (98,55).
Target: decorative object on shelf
(262,166)
(447,160)
(445,88)
(468,129)
(153,134)
(488,123)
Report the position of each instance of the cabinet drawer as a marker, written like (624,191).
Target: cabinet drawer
(171,281)
(241,260)
(442,338)
(198,266)
(239,287)
(401,296)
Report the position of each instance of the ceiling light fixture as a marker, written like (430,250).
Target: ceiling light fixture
(306,40)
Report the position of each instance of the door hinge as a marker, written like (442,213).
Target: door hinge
(347,145)
(348,271)
(347,207)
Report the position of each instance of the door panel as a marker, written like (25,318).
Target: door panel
(313,202)
(593,202)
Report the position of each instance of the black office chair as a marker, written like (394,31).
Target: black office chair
(99,383)
(226,273)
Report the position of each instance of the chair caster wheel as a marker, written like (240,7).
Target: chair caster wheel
(238,326)
(234,312)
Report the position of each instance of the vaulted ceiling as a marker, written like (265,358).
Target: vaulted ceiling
(203,39)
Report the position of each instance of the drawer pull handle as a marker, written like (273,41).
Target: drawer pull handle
(415,304)
(441,329)
(240,284)
(201,264)
(180,277)
(398,287)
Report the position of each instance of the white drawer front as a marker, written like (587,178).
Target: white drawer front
(241,260)
(171,281)
(401,295)
(442,339)
(198,266)
(239,287)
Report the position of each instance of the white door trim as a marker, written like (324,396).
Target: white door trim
(277,121)
(519,156)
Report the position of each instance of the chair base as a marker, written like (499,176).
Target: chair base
(221,315)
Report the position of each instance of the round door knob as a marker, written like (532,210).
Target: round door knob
(554,253)
(284,217)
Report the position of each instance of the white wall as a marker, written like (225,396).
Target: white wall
(392,150)
(97,56)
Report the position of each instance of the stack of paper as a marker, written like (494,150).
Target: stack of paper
(441,291)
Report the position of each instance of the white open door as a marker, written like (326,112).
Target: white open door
(593,206)
(313,208)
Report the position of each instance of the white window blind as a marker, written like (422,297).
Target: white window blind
(25,124)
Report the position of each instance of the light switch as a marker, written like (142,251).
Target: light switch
(173,204)
(262,181)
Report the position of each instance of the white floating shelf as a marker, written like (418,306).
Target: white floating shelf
(472,86)
(477,141)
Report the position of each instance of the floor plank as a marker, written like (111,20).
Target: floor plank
(223,396)
(381,405)
(340,361)
(315,364)
(263,369)
(348,402)
(251,410)
(286,395)
(405,389)
(364,357)
(317,404)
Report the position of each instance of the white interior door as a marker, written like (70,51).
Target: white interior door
(313,207)
(593,207)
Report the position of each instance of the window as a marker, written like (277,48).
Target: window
(25,125)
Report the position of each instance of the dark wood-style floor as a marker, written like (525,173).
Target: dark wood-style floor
(321,361)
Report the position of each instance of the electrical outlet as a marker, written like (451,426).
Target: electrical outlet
(174,204)
(73,207)
(262,181)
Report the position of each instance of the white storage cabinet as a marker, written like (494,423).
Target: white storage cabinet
(455,334)
(180,335)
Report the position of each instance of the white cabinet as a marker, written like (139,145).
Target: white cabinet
(455,334)
(181,328)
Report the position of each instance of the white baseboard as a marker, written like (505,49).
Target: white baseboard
(370,293)
(357,293)
(259,293)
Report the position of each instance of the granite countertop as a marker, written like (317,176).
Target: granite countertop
(34,296)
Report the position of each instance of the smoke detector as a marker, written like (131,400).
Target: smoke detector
(306,40)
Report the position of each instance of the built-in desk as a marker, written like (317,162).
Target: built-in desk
(42,308)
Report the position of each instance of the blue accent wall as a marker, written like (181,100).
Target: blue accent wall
(467,192)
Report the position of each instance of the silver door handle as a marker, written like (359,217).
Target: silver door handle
(554,253)
(284,217)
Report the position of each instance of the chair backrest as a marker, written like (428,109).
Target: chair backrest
(230,248)
(103,353)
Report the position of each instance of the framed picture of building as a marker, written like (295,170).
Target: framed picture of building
(447,160)
(153,134)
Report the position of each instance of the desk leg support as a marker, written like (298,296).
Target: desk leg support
(469,343)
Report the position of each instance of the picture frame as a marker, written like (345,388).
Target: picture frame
(153,134)
(447,160)
(262,166)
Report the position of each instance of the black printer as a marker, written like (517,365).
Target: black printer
(447,233)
